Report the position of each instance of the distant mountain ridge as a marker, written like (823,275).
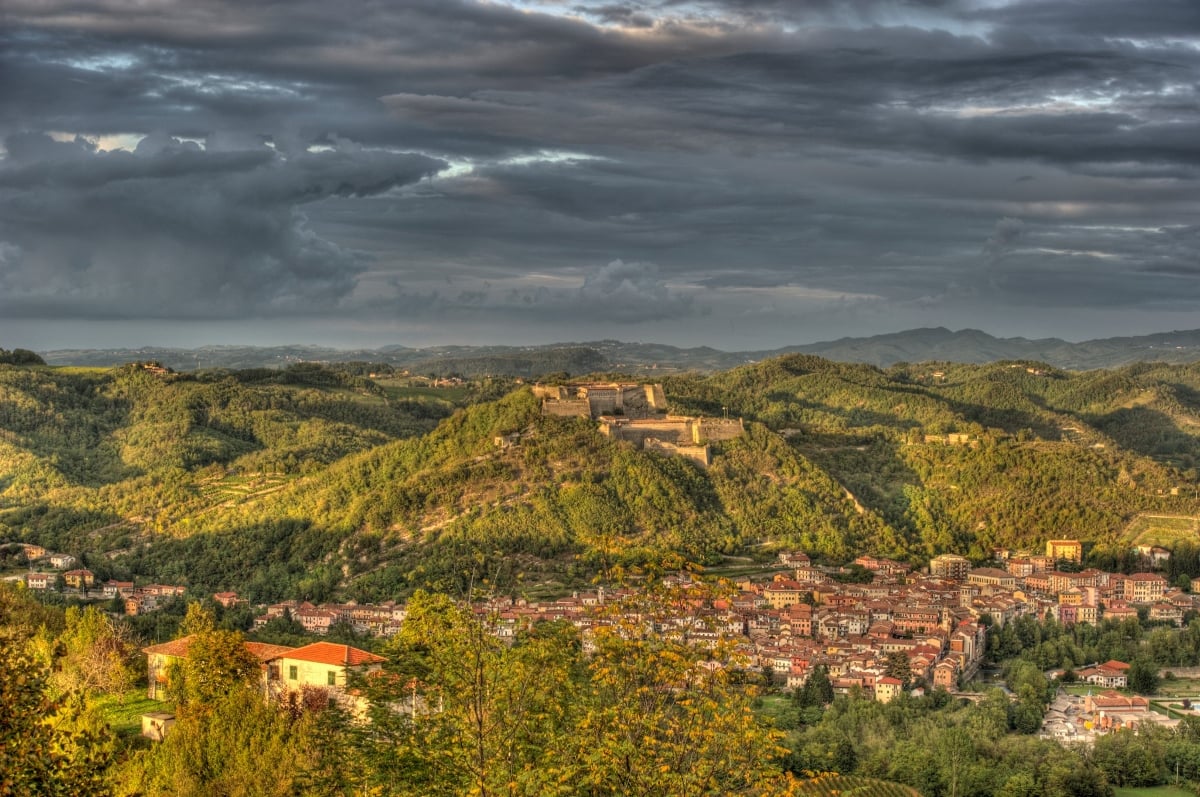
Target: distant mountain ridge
(914,345)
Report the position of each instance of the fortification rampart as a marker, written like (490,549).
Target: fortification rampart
(676,429)
(699,454)
(627,400)
(552,392)
(673,430)
(637,414)
(714,430)
(567,408)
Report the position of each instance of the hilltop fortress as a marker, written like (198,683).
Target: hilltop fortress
(638,414)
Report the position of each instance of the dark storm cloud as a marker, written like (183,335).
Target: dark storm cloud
(615,293)
(1117,19)
(765,156)
(1004,237)
(172,230)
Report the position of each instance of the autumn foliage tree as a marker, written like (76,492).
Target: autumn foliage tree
(50,743)
(461,712)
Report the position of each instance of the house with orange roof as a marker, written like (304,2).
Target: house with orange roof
(159,659)
(79,579)
(888,689)
(1111,674)
(322,664)
(229,599)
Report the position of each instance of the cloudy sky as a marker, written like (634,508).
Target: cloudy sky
(737,173)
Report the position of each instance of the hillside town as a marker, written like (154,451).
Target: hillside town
(795,618)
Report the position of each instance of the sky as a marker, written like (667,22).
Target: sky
(742,174)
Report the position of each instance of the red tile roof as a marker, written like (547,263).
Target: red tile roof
(179,649)
(329,653)
(176,647)
(264,652)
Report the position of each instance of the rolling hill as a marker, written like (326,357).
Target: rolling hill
(315,481)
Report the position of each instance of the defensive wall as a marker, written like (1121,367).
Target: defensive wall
(598,399)
(637,414)
(702,455)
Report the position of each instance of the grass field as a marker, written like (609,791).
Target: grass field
(1082,689)
(1155,791)
(1162,529)
(402,388)
(123,713)
(1179,687)
(735,571)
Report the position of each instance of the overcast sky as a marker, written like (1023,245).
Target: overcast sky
(737,173)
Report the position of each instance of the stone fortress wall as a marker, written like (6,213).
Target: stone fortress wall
(598,399)
(638,414)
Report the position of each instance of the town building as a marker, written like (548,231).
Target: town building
(1144,587)
(79,579)
(950,566)
(1070,550)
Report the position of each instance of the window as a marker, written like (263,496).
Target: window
(331,677)
(292,672)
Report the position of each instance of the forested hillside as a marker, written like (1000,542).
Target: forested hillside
(315,481)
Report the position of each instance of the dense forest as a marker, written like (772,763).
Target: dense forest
(314,481)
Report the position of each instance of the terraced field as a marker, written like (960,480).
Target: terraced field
(846,785)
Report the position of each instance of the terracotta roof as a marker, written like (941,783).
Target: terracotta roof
(264,652)
(329,653)
(179,649)
(176,647)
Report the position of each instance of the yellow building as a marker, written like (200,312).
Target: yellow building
(888,689)
(79,579)
(322,664)
(159,659)
(1071,550)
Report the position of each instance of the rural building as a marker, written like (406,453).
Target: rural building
(321,664)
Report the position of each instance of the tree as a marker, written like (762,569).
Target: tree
(1130,759)
(98,653)
(1143,676)
(659,722)
(216,664)
(459,712)
(48,745)
(955,753)
(235,744)
(817,689)
(898,666)
(845,759)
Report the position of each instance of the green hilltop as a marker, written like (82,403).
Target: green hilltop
(315,481)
